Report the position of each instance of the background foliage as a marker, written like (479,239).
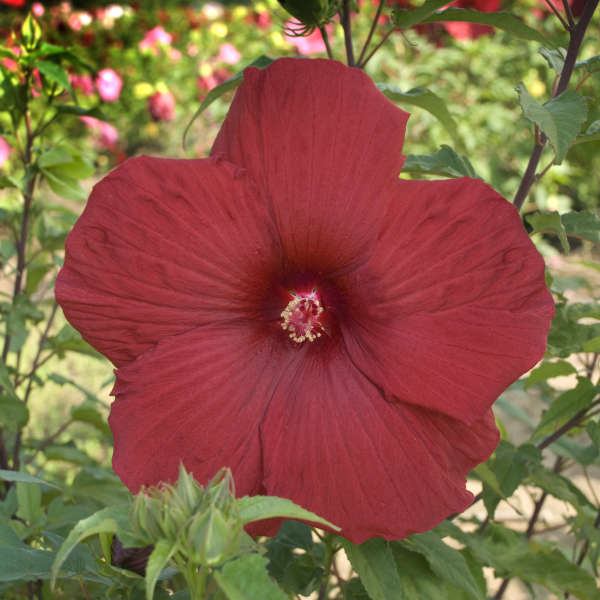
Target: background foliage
(84,86)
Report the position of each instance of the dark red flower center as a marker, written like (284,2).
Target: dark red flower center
(302,317)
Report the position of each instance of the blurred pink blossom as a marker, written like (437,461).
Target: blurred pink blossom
(305,45)
(37,8)
(108,135)
(79,19)
(192,50)
(228,54)
(154,37)
(109,85)
(4,151)
(208,82)
(174,54)
(83,83)
(162,106)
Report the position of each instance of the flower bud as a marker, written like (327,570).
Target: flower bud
(311,13)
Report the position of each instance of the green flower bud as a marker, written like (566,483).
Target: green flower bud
(31,33)
(311,13)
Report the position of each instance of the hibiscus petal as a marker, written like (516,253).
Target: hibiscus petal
(327,172)
(334,445)
(195,398)
(452,307)
(163,246)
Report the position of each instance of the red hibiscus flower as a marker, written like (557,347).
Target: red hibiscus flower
(291,309)
(464,31)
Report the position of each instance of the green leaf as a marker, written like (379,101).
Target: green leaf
(65,186)
(69,339)
(246,578)
(54,156)
(592,345)
(6,383)
(416,579)
(582,224)
(427,100)
(499,20)
(565,407)
(158,560)
(549,223)
(29,501)
(23,477)
(559,487)
(592,134)
(512,556)
(80,111)
(256,508)
(88,413)
(445,162)
(405,18)
(14,414)
(374,562)
(447,563)
(590,65)
(262,62)
(107,520)
(560,118)
(548,370)
(555,58)
(54,73)
(509,464)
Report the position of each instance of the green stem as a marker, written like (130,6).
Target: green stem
(330,551)
(345,20)
(371,32)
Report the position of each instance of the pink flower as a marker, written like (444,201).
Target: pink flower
(38,9)
(305,45)
(108,135)
(5,150)
(228,54)
(83,83)
(109,85)
(217,77)
(154,37)
(162,106)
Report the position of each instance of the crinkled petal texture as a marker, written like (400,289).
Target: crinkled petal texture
(452,307)
(325,146)
(164,246)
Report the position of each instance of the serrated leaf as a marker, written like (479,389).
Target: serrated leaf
(582,224)
(374,562)
(560,118)
(499,20)
(447,563)
(427,100)
(565,407)
(256,508)
(445,162)
(262,62)
(107,520)
(158,560)
(54,73)
(405,18)
(549,223)
(548,370)
(247,578)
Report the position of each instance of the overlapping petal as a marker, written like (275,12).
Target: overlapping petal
(325,147)
(196,398)
(452,307)
(163,246)
(333,443)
